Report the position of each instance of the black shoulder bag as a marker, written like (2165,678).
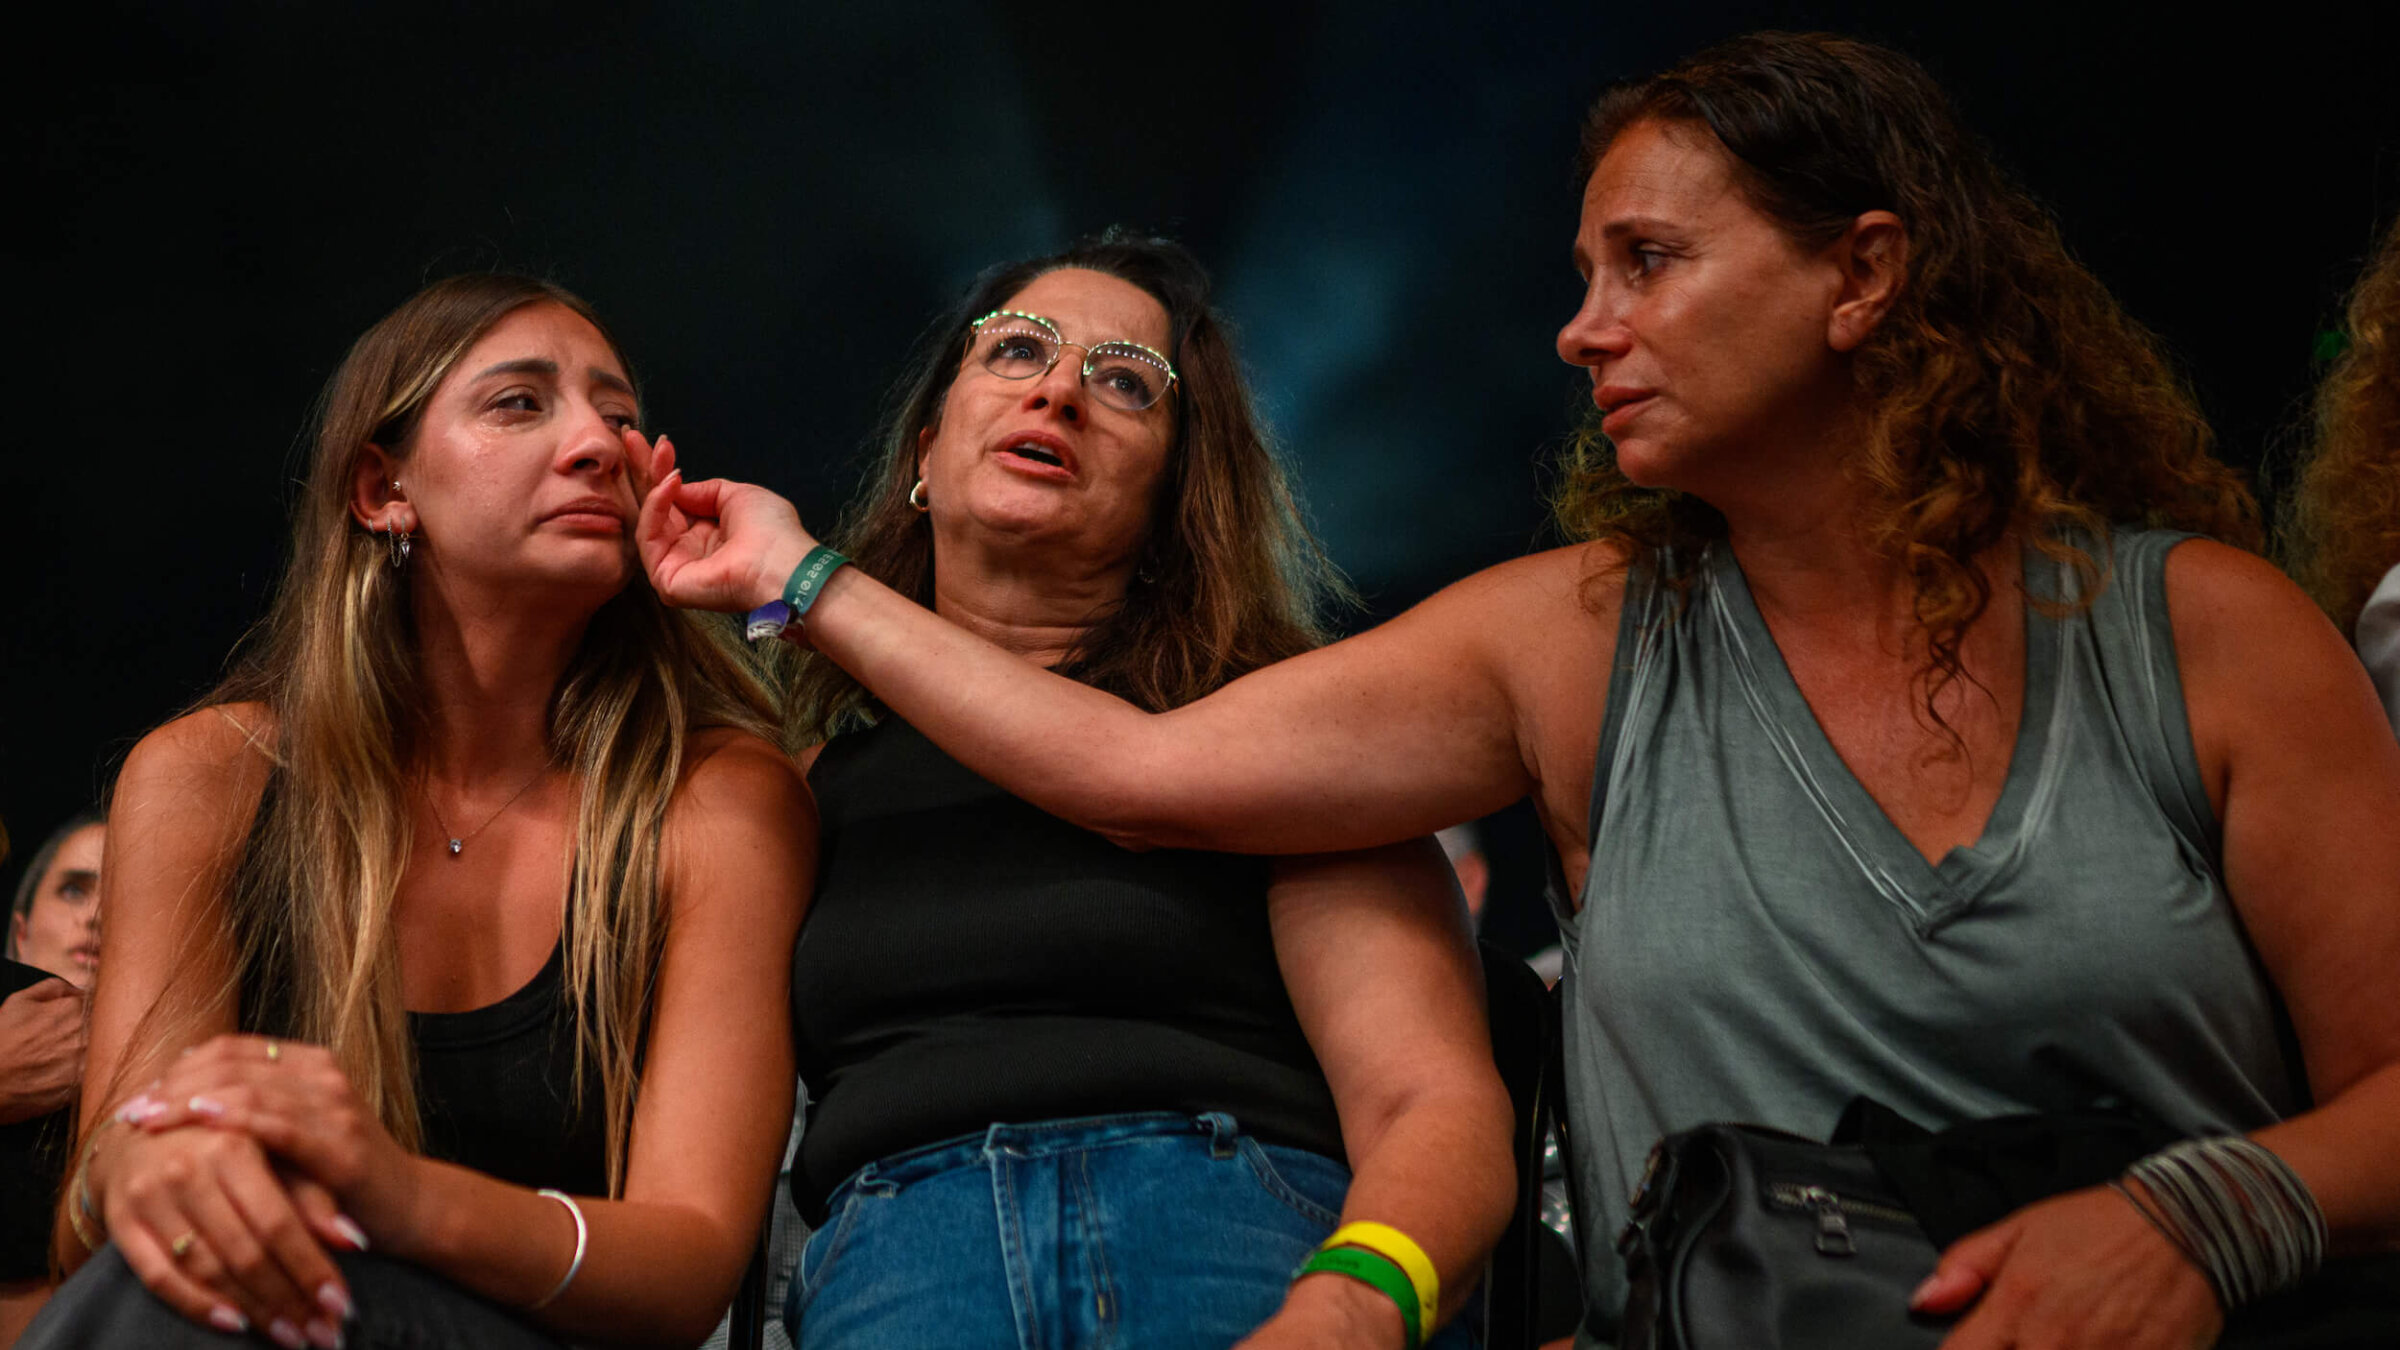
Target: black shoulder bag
(1746,1238)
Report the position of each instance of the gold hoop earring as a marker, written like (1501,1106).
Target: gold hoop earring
(916,497)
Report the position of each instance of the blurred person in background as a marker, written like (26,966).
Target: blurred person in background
(53,950)
(2344,528)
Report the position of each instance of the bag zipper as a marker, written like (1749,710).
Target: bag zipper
(1833,1213)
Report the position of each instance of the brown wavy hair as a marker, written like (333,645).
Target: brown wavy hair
(2006,391)
(1228,578)
(2342,531)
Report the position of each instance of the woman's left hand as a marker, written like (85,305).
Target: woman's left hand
(2082,1269)
(298,1104)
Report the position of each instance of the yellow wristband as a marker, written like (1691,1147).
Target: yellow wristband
(1401,1250)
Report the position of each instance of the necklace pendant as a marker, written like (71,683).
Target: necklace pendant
(455,846)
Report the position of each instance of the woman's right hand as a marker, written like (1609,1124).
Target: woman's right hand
(716,544)
(252,1244)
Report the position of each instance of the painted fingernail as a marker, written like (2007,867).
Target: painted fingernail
(324,1335)
(334,1299)
(286,1335)
(138,1109)
(206,1106)
(356,1235)
(228,1319)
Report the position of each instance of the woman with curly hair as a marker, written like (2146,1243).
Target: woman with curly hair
(2345,519)
(1891,725)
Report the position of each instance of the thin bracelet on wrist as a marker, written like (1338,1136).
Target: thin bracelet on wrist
(777,617)
(82,1215)
(583,1237)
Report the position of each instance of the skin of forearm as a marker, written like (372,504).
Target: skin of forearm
(652,1273)
(1438,1170)
(2344,1151)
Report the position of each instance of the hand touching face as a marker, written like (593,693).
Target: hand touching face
(515,476)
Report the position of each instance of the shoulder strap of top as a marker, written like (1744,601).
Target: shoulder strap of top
(2135,639)
(1646,596)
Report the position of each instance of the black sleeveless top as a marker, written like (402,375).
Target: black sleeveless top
(970,960)
(495,1085)
(33,1161)
(496,1089)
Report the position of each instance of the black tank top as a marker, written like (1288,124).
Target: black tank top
(495,1085)
(496,1089)
(33,1160)
(970,960)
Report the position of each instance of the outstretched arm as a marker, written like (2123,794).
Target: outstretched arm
(1421,723)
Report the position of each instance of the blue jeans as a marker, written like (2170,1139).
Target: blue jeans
(1154,1230)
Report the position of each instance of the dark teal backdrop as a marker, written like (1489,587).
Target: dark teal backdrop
(207,201)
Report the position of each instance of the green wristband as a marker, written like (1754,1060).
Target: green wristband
(808,579)
(1378,1272)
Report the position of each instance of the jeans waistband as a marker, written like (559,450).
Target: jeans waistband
(1040,1139)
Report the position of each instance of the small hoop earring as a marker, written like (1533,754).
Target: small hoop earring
(916,497)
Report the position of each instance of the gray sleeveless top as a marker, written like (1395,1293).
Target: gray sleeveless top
(1758,941)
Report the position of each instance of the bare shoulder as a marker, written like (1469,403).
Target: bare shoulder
(741,831)
(1526,620)
(1546,625)
(731,775)
(1583,578)
(2238,619)
(2263,670)
(205,764)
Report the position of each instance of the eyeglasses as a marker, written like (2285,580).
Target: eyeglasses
(1016,346)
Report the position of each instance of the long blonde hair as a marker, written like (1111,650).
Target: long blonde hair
(2343,530)
(309,909)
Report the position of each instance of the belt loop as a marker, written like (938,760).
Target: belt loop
(1223,1133)
(1000,1141)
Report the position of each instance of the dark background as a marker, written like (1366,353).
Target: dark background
(207,202)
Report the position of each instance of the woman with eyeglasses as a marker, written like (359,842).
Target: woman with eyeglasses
(1892,731)
(443,990)
(1065,1094)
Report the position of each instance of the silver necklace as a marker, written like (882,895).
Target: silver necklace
(459,841)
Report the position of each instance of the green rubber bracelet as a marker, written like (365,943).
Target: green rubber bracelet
(808,579)
(1379,1273)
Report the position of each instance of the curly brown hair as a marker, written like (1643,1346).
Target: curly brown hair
(1229,578)
(2007,392)
(2342,532)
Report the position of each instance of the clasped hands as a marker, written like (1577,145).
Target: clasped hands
(239,1168)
